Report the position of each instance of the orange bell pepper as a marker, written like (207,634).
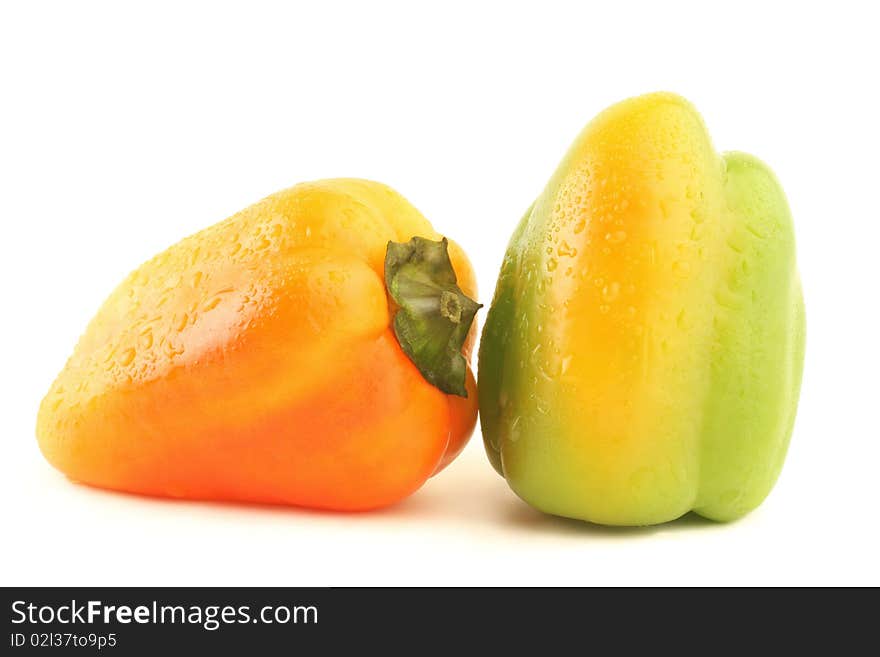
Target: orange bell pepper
(305,351)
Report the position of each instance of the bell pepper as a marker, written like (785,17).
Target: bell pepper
(642,356)
(310,350)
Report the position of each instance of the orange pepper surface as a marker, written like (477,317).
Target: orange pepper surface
(257,361)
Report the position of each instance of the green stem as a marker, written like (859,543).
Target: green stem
(433,316)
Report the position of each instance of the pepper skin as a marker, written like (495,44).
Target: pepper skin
(643,353)
(256,361)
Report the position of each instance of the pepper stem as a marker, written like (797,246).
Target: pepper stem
(433,316)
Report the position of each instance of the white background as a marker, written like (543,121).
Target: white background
(122,130)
